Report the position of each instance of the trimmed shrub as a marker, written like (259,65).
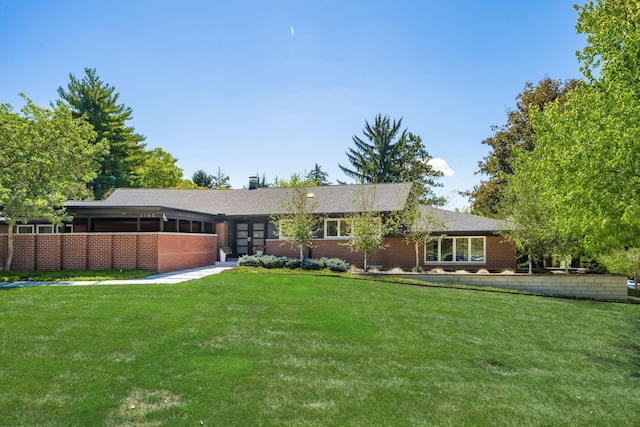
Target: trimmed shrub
(250,261)
(292,263)
(271,261)
(335,264)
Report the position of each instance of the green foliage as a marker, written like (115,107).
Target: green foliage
(97,102)
(582,177)
(515,136)
(368,227)
(271,261)
(202,179)
(220,180)
(297,221)
(46,158)
(317,176)
(622,261)
(391,154)
(416,223)
(296,180)
(159,170)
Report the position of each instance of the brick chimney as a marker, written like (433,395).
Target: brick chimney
(253,183)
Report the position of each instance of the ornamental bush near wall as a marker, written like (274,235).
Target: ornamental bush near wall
(271,261)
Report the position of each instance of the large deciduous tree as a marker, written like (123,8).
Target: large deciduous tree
(392,154)
(97,102)
(159,170)
(516,135)
(46,157)
(585,164)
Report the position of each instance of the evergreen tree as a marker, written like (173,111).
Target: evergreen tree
(97,102)
(221,181)
(202,179)
(392,154)
(318,176)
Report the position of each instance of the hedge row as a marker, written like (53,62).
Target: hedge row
(271,261)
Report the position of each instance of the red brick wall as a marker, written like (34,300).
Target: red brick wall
(126,254)
(48,248)
(99,251)
(24,252)
(182,251)
(74,248)
(147,253)
(160,252)
(398,253)
(222,230)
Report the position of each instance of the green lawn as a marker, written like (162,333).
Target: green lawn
(67,275)
(259,349)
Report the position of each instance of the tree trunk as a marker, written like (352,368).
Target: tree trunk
(530,263)
(365,261)
(566,264)
(417,248)
(7,265)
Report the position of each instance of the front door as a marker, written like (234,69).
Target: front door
(250,237)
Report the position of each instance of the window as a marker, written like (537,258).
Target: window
(336,228)
(44,229)
(24,229)
(456,249)
(64,228)
(282,227)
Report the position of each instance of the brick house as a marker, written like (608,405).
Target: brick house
(168,229)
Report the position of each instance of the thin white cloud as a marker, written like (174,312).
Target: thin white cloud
(442,166)
(292,31)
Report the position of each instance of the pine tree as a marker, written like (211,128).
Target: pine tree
(97,102)
(202,179)
(318,176)
(392,155)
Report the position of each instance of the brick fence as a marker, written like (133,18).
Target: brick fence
(595,286)
(159,252)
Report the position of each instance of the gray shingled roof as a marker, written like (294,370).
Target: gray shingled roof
(456,222)
(332,199)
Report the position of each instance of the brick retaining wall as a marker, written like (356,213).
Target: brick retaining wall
(160,252)
(596,286)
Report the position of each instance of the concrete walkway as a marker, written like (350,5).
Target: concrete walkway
(163,278)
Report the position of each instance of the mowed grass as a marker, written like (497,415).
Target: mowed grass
(269,350)
(67,275)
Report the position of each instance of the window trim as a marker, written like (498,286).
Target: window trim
(25,227)
(339,228)
(453,251)
(41,226)
(61,227)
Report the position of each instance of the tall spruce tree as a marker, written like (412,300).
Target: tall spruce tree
(392,154)
(97,102)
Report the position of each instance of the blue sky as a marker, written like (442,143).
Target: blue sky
(277,86)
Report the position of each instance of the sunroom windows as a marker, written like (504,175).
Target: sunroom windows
(456,249)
